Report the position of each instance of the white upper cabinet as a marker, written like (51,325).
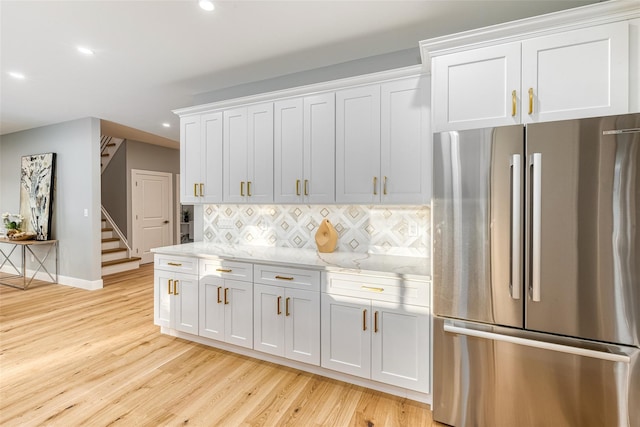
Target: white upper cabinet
(304,149)
(565,75)
(201,158)
(358,144)
(477,88)
(405,142)
(383,143)
(581,73)
(248,154)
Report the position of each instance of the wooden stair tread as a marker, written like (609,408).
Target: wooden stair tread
(110,251)
(107,229)
(110,239)
(120,261)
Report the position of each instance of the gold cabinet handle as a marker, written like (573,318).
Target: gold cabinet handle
(201,189)
(195,190)
(513,103)
(224,270)
(169,291)
(219,299)
(242,188)
(364,319)
(371,288)
(384,186)
(306,187)
(375,185)
(249,188)
(286,307)
(279,311)
(530,100)
(297,187)
(226,295)
(375,322)
(284,278)
(175,287)
(175,264)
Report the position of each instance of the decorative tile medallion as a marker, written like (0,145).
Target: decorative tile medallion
(392,230)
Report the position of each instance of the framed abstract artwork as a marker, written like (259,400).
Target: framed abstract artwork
(37,185)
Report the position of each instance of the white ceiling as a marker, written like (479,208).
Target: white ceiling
(154,56)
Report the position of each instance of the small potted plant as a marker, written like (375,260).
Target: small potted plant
(12,223)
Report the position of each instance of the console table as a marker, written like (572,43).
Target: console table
(26,246)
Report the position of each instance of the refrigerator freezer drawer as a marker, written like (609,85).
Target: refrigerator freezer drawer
(501,377)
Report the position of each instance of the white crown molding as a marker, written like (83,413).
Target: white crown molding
(566,20)
(311,89)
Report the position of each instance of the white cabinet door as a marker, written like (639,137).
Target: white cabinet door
(211,158)
(236,154)
(212,306)
(400,345)
(580,73)
(405,170)
(288,150)
(190,159)
(238,314)
(163,291)
(358,145)
(346,339)
(268,328)
(318,181)
(302,325)
(260,153)
(476,88)
(185,294)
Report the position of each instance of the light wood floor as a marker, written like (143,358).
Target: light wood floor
(70,357)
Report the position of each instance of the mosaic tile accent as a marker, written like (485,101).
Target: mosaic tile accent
(390,230)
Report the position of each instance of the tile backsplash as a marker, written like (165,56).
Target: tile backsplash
(392,230)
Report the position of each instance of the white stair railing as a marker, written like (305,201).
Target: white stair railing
(117,230)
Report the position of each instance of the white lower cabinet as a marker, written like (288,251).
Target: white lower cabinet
(287,323)
(175,297)
(226,305)
(286,305)
(385,341)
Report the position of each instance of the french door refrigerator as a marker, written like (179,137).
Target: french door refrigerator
(537,274)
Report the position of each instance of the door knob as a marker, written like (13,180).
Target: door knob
(166,222)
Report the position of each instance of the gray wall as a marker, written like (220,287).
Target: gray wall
(151,158)
(114,188)
(76,144)
(373,64)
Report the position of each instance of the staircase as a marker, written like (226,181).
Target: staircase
(108,146)
(115,253)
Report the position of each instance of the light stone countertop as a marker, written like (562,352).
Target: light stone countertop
(336,261)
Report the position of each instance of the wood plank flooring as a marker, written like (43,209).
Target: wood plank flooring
(70,357)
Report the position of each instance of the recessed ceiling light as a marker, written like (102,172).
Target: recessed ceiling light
(206,5)
(167,125)
(17,75)
(85,50)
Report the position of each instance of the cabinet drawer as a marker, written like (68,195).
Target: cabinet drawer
(391,289)
(226,269)
(180,264)
(298,278)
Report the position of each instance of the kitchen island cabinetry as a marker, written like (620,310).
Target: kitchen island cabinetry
(383,143)
(379,337)
(248,154)
(176,293)
(565,75)
(304,149)
(226,302)
(201,158)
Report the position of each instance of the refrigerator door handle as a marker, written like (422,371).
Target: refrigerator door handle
(515,283)
(535,163)
(538,344)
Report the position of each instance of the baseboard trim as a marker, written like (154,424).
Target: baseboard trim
(89,285)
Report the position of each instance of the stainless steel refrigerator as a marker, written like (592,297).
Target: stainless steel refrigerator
(536,274)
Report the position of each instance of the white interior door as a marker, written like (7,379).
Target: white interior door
(152,204)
